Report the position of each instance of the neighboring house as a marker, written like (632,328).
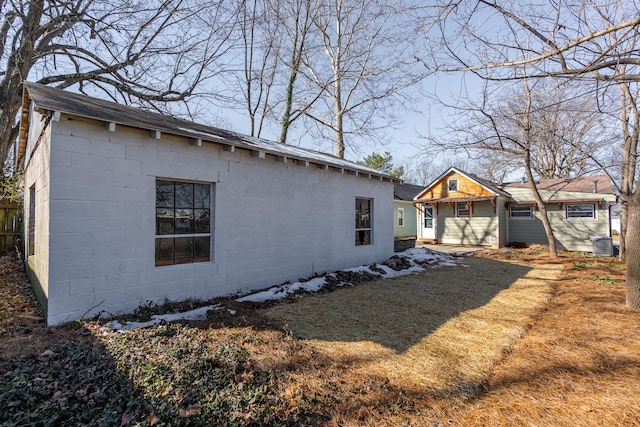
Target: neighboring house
(405,225)
(461,208)
(125,207)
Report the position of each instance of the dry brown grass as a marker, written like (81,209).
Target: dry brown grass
(427,338)
(514,339)
(579,364)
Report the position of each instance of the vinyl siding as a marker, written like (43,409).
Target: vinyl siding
(410,228)
(479,230)
(573,234)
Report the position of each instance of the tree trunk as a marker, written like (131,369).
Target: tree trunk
(633,253)
(542,208)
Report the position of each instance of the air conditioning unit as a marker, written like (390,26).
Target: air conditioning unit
(602,246)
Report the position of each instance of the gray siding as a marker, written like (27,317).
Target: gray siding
(573,234)
(479,230)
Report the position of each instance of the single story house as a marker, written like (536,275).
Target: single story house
(124,207)
(405,224)
(463,209)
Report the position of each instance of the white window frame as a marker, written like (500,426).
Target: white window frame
(449,185)
(570,217)
(521,217)
(401,217)
(467,208)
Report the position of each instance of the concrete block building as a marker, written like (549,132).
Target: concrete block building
(125,207)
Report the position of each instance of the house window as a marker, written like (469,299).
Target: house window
(400,217)
(587,210)
(463,210)
(31,237)
(183,222)
(521,211)
(364,213)
(452,185)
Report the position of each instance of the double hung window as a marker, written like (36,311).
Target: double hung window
(183,222)
(364,217)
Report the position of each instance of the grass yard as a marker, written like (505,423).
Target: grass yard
(504,338)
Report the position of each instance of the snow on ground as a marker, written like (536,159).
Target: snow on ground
(156,319)
(418,259)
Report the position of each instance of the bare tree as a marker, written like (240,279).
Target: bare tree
(365,62)
(504,126)
(297,21)
(589,41)
(260,46)
(145,53)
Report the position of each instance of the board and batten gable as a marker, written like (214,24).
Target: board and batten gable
(272,219)
(465,187)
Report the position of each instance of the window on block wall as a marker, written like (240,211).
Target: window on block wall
(31,235)
(183,222)
(364,219)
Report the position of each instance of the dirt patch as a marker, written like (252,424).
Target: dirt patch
(22,327)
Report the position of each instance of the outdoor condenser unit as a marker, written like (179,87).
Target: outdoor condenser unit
(602,246)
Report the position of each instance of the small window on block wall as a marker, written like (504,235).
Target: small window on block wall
(364,219)
(183,222)
(31,236)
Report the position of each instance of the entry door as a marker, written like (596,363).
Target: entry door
(428,222)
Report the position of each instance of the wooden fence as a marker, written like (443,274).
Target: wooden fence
(10,225)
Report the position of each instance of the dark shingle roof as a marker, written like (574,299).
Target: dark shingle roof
(45,98)
(406,191)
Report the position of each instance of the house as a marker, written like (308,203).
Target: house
(463,209)
(405,219)
(125,207)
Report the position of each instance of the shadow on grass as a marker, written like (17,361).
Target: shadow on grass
(166,375)
(398,313)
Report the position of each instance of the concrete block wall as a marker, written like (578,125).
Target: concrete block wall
(271,221)
(37,176)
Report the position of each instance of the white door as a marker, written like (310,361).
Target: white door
(428,222)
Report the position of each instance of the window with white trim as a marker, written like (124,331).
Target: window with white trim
(183,222)
(463,210)
(586,210)
(452,185)
(400,217)
(364,220)
(521,211)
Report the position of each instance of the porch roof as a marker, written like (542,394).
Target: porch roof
(456,199)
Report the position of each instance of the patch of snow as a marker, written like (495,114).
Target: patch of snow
(416,257)
(196,314)
(283,291)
